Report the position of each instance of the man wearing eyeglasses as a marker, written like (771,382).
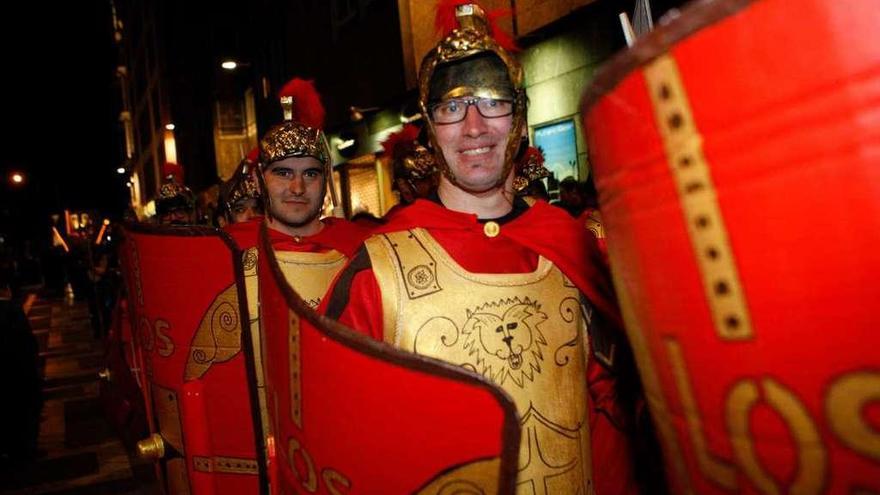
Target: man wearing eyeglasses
(478,277)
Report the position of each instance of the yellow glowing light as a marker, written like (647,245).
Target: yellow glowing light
(170,127)
(58,240)
(106,221)
(170,147)
(17,178)
(101,233)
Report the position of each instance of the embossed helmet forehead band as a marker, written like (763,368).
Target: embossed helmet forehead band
(484,75)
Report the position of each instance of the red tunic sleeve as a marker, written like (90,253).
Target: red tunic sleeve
(363,313)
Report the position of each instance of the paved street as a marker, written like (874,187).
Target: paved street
(79,453)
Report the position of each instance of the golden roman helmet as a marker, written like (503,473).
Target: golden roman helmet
(174,196)
(529,167)
(301,133)
(409,159)
(243,183)
(471,61)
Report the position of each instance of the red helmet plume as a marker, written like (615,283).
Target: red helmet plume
(445,22)
(307,107)
(401,142)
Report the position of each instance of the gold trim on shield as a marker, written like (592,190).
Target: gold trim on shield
(295,370)
(231,465)
(696,191)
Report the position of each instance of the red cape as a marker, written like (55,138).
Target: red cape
(338,234)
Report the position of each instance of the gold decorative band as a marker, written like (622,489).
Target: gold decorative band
(231,465)
(705,223)
(295,369)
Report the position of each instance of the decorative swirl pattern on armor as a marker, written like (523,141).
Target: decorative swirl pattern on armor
(568,310)
(439,328)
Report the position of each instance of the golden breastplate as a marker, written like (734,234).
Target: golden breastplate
(309,274)
(525,332)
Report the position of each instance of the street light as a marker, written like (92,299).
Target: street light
(231,64)
(120,170)
(17,178)
(170,127)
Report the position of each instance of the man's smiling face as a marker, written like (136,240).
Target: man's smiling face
(474,149)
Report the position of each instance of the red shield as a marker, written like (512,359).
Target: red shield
(352,415)
(121,391)
(737,155)
(185,298)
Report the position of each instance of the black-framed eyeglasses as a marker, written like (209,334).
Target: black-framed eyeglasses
(454,110)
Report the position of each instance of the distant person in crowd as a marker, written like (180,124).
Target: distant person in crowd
(176,204)
(413,165)
(530,174)
(240,196)
(570,197)
(22,387)
(537,190)
(589,195)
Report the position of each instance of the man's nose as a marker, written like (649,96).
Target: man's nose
(475,124)
(297,185)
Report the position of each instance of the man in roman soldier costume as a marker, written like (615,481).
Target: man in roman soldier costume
(240,196)
(530,170)
(478,277)
(296,174)
(415,170)
(176,204)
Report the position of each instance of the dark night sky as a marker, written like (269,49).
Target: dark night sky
(60,109)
